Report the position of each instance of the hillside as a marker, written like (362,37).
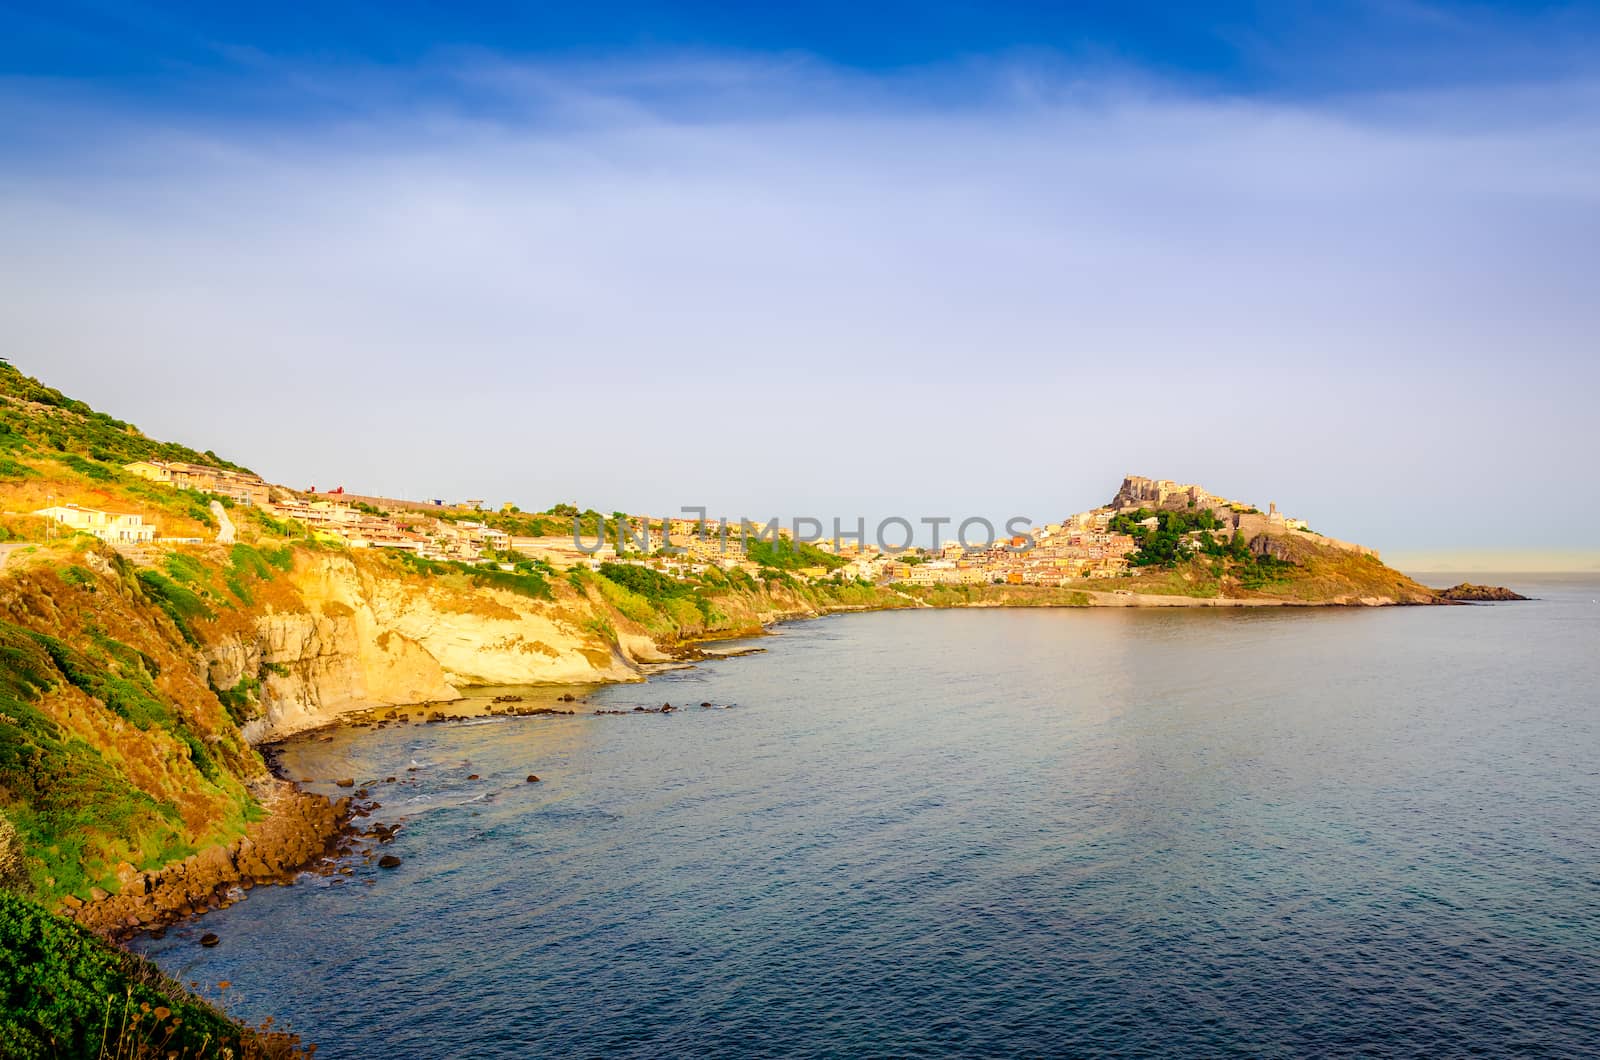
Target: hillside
(135,683)
(1290,570)
(56,450)
(64,993)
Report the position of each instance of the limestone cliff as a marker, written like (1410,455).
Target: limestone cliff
(342,632)
(132,694)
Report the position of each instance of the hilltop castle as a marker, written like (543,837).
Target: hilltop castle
(1164,494)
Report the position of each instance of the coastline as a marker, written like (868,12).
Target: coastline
(302,827)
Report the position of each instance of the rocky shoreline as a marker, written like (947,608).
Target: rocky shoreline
(300,827)
(1469,593)
(307,831)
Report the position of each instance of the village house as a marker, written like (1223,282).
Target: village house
(111,527)
(235,485)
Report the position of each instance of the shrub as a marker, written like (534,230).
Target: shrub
(88,468)
(240,700)
(64,993)
(180,604)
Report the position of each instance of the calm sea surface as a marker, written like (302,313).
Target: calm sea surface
(1277,833)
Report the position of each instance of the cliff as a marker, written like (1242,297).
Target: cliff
(131,696)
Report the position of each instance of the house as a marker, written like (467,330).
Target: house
(111,527)
(241,487)
(153,470)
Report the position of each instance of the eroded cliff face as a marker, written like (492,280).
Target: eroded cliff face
(340,634)
(131,694)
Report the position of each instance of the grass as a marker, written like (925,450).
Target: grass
(529,578)
(102,758)
(787,555)
(67,995)
(181,604)
(42,420)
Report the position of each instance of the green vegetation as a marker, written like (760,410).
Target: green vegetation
(180,603)
(285,528)
(65,994)
(240,701)
(1266,572)
(787,554)
(590,522)
(513,523)
(88,468)
(75,807)
(10,468)
(659,591)
(96,445)
(247,564)
(1163,544)
(556,522)
(527,577)
(1166,545)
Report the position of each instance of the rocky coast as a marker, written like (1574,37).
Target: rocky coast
(300,829)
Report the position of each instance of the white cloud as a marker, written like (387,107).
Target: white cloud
(771,286)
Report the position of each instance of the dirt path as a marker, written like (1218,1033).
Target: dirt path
(224,524)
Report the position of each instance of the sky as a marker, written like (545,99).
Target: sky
(830,259)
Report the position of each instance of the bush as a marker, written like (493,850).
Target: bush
(526,580)
(88,468)
(789,555)
(180,604)
(64,994)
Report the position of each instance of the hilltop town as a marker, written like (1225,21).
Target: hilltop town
(1092,546)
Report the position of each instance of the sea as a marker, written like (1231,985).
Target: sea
(1102,832)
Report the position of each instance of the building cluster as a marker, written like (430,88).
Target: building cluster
(368,526)
(1057,554)
(1083,546)
(239,486)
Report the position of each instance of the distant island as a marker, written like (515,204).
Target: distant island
(1479,594)
(164,612)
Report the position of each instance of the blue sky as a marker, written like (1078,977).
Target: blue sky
(813,259)
(1279,47)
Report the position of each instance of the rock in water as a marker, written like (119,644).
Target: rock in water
(388,861)
(532,779)
(1478,593)
(209,939)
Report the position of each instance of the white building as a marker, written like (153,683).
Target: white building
(111,527)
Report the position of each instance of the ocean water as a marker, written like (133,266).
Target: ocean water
(999,832)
